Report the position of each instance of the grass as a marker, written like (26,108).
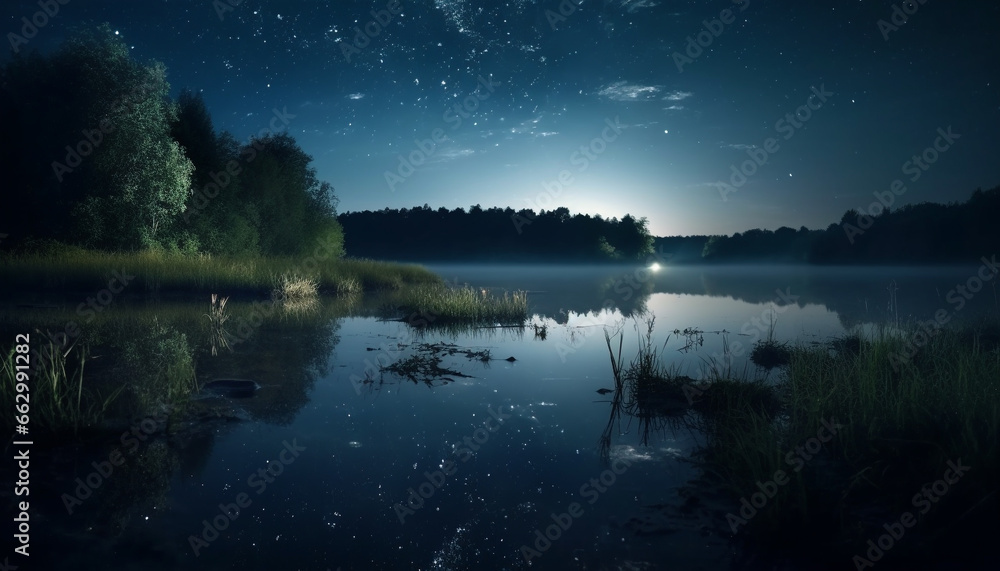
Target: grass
(901,426)
(76,269)
(769,353)
(295,287)
(56,398)
(443,306)
(902,421)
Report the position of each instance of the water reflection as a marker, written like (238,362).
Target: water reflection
(364,452)
(856,295)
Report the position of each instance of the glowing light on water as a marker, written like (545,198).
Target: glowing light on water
(655,267)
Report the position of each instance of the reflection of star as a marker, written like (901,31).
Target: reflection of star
(6,566)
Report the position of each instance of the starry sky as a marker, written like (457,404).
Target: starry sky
(638,106)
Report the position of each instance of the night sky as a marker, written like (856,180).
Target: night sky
(661,124)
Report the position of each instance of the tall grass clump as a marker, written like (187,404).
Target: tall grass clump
(769,353)
(57,399)
(295,287)
(465,305)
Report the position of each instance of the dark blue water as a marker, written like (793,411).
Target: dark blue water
(328,471)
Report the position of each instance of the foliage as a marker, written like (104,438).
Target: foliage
(95,161)
(159,368)
(915,233)
(58,399)
(494,234)
(107,161)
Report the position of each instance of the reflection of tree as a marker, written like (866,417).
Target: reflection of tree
(856,295)
(285,357)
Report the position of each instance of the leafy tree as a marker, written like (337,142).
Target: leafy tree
(139,177)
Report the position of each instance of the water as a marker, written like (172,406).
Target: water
(344,454)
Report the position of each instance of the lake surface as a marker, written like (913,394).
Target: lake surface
(358,460)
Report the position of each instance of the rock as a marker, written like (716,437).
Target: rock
(605,391)
(511,359)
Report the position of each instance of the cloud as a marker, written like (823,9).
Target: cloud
(677,95)
(528,127)
(674,108)
(738,146)
(448,155)
(625,91)
(356,96)
(634,6)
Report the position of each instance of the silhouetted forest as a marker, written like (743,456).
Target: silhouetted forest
(494,234)
(103,158)
(914,234)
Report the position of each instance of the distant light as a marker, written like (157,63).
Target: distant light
(666,131)
(655,267)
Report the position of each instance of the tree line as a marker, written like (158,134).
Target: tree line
(104,158)
(913,234)
(494,234)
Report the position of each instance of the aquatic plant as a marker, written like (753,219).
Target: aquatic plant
(217,318)
(292,286)
(442,305)
(769,353)
(58,399)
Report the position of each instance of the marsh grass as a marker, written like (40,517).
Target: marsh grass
(646,389)
(444,306)
(293,287)
(769,353)
(59,402)
(900,427)
(217,317)
(75,269)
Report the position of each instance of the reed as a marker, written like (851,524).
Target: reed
(85,270)
(58,400)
